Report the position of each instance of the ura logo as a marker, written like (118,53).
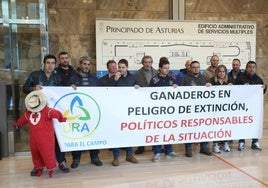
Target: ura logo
(83,115)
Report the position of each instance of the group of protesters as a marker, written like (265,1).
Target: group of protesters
(64,74)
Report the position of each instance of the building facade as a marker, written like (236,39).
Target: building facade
(29,29)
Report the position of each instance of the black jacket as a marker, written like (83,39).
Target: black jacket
(65,75)
(40,78)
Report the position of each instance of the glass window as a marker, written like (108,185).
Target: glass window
(2,62)
(1,14)
(22,9)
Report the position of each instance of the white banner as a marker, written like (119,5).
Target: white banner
(177,40)
(101,117)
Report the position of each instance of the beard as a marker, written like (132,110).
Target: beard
(85,71)
(252,73)
(65,65)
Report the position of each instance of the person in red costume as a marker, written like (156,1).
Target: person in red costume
(42,140)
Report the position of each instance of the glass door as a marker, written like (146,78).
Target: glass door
(23,44)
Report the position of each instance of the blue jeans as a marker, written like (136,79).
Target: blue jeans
(202,145)
(116,151)
(93,154)
(158,149)
(60,156)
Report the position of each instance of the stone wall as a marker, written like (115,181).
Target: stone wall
(72,22)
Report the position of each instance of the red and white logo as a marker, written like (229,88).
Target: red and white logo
(35,118)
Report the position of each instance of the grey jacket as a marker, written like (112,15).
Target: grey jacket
(191,80)
(140,76)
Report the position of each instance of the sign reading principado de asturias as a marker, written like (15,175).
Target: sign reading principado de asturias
(177,40)
(99,117)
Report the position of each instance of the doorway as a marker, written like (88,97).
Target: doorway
(23,44)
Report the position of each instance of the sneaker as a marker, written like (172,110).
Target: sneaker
(205,151)
(75,163)
(256,146)
(172,155)
(156,157)
(33,172)
(241,146)
(50,173)
(216,148)
(116,162)
(96,161)
(140,150)
(132,159)
(162,150)
(226,147)
(63,167)
(189,153)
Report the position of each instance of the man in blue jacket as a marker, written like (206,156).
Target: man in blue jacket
(84,78)
(123,78)
(251,78)
(163,79)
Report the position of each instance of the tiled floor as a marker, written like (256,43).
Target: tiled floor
(228,170)
(246,169)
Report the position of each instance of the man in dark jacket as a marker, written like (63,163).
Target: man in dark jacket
(47,76)
(251,78)
(84,78)
(194,78)
(235,75)
(65,71)
(123,78)
(163,79)
(183,72)
(107,79)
